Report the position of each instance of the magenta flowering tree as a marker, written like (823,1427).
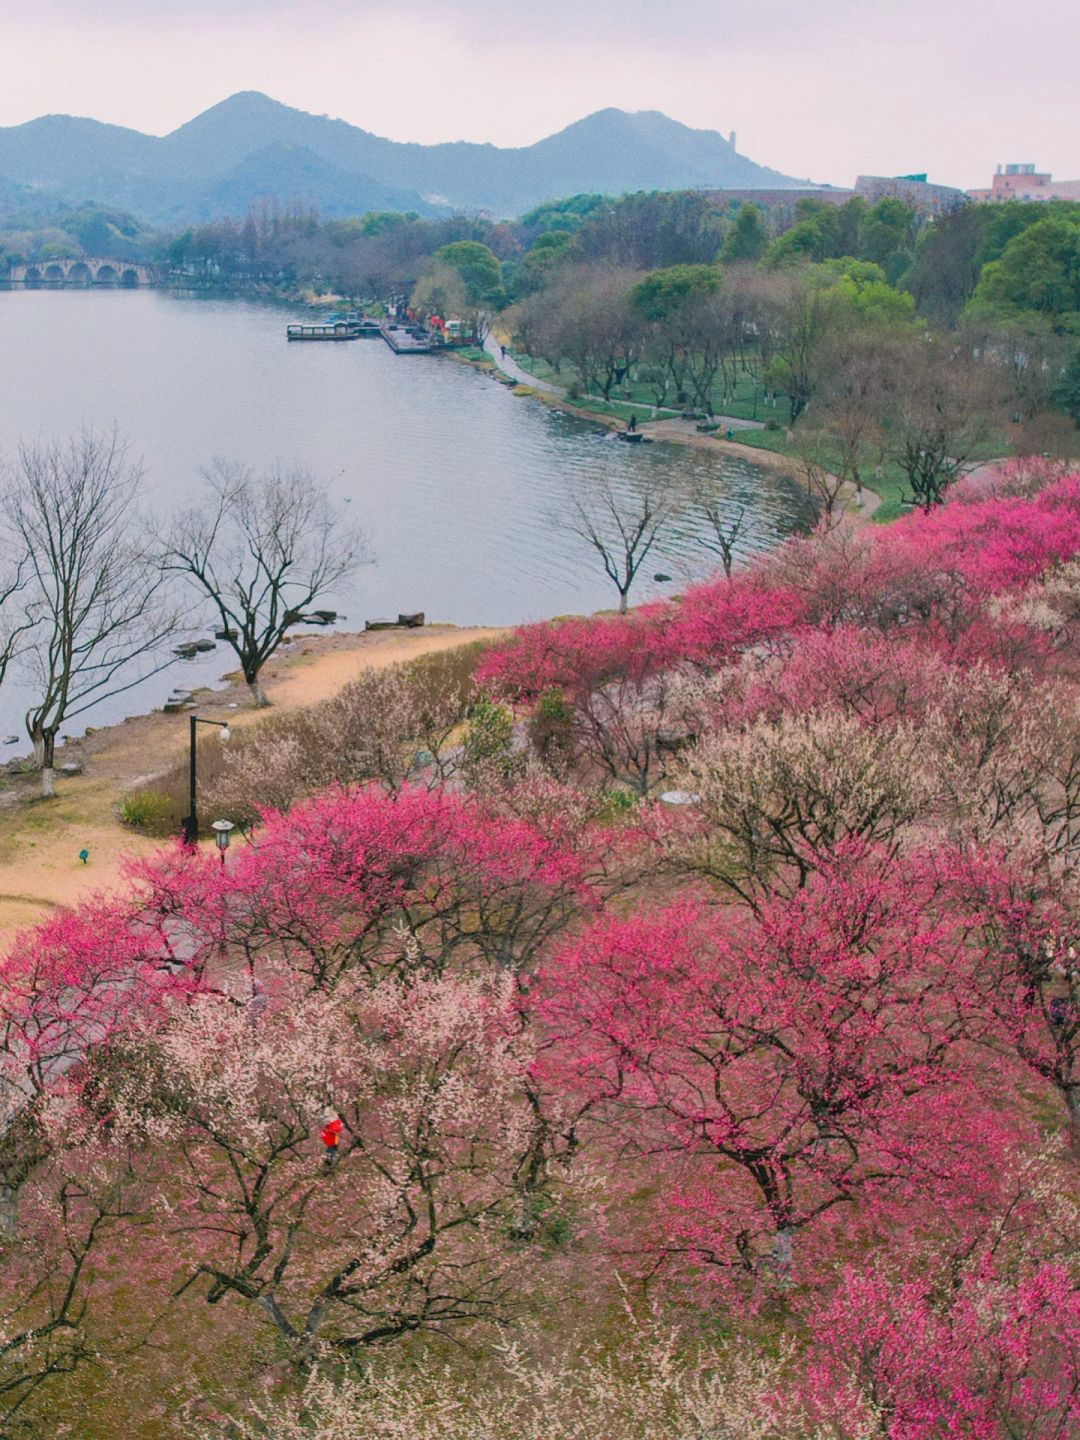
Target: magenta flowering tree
(774,1069)
(334,887)
(1023,988)
(989,1357)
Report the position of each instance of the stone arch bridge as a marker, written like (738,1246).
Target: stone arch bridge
(83,273)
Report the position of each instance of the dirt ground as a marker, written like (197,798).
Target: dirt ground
(40,840)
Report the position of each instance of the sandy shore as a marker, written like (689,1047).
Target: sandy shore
(40,840)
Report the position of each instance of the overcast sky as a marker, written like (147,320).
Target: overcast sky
(819,88)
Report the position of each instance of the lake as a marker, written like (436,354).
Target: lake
(457,482)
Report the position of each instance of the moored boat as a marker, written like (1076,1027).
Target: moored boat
(340,330)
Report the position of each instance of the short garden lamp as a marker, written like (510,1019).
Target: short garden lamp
(221,830)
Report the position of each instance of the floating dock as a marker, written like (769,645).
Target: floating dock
(406,339)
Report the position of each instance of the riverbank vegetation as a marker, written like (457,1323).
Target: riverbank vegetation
(876,340)
(675,1013)
(902,346)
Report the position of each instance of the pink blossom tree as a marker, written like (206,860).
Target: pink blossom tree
(408,1225)
(988,1357)
(329,889)
(774,1068)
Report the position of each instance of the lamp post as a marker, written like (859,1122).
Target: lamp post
(190,822)
(221,830)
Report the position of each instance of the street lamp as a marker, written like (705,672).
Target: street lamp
(221,830)
(190,822)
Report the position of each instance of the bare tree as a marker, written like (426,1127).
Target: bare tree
(263,550)
(96,616)
(824,487)
(944,406)
(624,526)
(853,380)
(722,525)
(592,326)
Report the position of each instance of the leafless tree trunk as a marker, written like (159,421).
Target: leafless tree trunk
(722,526)
(261,551)
(94,597)
(824,488)
(625,527)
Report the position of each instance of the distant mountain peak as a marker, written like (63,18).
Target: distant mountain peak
(250,145)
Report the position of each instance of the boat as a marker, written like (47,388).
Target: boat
(340,330)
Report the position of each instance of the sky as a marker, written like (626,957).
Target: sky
(824,89)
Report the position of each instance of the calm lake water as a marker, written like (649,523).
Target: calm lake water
(456,481)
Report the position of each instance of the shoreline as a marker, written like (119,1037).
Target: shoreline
(671,431)
(40,840)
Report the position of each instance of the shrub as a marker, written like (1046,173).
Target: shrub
(152,811)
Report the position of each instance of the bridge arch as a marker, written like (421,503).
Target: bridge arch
(88,270)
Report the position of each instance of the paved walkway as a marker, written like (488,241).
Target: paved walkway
(509,366)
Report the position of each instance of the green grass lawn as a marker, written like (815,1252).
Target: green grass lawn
(746,403)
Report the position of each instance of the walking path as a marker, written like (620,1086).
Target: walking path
(509,366)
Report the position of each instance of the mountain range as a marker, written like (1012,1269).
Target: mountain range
(250,146)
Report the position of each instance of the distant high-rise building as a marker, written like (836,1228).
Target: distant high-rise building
(1024,182)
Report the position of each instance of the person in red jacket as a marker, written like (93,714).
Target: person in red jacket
(331,1135)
